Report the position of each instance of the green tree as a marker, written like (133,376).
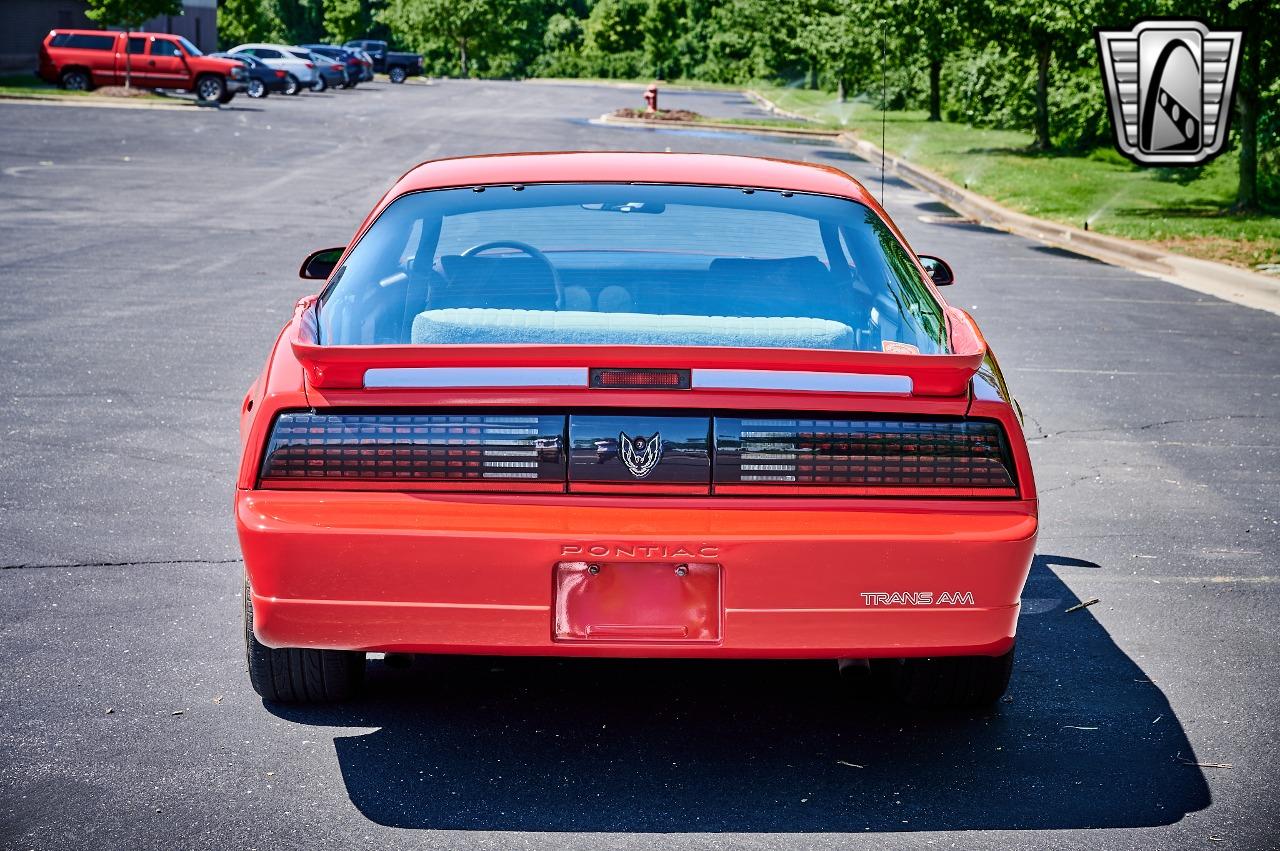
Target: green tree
(840,41)
(613,41)
(662,25)
(1256,87)
(345,20)
(562,33)
(934,30)
(129,15)
(464,25)
(241,21)
(303,20)
(1257,93)
(1042,30)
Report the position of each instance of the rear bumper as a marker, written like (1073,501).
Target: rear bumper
(471,573)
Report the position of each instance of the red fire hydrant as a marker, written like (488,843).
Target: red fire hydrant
(651,98)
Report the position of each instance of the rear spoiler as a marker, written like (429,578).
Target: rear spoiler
(568,366)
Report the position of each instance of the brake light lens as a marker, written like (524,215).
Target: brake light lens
(431,451)
(310,65)
(280,74)
(891,457)
(335,67)
(640,379)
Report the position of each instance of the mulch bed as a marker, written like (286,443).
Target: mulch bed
(122,92)
(660,115)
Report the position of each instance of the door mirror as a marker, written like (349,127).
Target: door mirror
(319,265)
(938,270)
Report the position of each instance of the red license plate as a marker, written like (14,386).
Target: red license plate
(637,602)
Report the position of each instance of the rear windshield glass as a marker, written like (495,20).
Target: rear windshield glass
(610,264)
(84,42)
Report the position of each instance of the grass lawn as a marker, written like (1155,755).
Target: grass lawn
(1183,210)
(20,85)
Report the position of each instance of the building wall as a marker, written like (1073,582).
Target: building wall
(25,23)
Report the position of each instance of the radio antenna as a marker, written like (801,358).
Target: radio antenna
(884,99)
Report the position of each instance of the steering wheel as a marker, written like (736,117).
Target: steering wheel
(523,248)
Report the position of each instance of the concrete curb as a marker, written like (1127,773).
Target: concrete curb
(769,106)
(791,132)
(102,103)
(619,84)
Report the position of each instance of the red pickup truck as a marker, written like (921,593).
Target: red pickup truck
(83,59)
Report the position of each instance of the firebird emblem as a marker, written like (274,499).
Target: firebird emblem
(640,454)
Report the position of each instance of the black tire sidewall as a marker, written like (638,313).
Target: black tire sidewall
(74,73)
(256,86)
(398,72)
(207,79)
(294,86)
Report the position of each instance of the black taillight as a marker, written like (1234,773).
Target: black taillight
(910,456)
(485,450)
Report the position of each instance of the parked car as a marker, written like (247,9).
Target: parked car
(398,66)
(366,64)
(262,78)
(351,63)
(300,73)
(83,59)
(329,72)
(528,423)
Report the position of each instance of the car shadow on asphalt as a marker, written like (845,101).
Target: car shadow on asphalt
(1084,739)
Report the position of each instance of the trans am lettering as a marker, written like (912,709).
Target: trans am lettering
(917,598)
(640,550)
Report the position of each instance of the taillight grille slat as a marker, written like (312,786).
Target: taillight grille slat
(415,447)
(862,453)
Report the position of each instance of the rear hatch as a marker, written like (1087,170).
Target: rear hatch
(673,420)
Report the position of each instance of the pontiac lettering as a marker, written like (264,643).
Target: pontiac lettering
(650,551)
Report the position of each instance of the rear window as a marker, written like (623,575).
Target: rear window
(83,41)
(610,264)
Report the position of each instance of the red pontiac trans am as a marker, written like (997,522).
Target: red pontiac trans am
(632,404)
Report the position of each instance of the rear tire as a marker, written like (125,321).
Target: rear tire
(257,89)
(299,675)
(397,74)
(320,85)
(292,86)
(950,681)
(76,80)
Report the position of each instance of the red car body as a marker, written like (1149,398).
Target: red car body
(156,61)
(780,571)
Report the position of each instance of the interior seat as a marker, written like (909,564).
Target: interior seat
(519,283)
(785,286)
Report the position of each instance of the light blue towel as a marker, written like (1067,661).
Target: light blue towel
(503,325)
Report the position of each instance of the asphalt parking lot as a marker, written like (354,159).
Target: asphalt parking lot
(149,259)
